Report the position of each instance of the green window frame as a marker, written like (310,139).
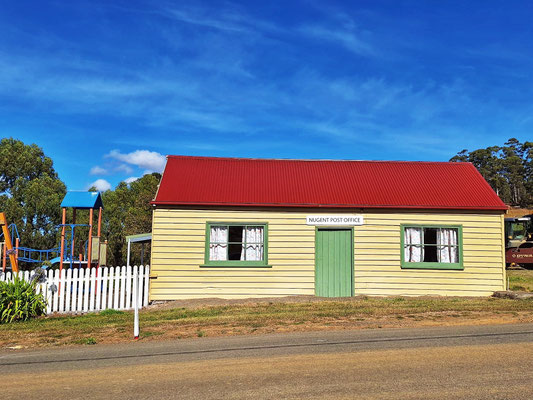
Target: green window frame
(236,263)
(432,265)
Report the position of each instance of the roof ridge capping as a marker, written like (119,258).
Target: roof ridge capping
(316,160)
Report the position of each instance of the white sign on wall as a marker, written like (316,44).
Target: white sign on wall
(334,220)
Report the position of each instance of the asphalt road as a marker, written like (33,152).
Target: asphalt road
(483,362)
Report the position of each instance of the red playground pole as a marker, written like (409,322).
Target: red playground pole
(98,233)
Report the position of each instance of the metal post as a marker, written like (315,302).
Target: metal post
(17,244)
(129,247)
(72,245)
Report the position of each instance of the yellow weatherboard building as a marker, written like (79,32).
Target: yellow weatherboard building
(237,228)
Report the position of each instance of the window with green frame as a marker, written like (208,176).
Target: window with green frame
(236,244)
(432,246)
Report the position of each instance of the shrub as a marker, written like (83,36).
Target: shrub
(90,340)
(19,302)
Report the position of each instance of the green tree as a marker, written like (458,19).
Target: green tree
(128,212)
(528,165)
(508,169)
(514,169)
(30,193)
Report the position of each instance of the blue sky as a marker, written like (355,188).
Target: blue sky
(108,88)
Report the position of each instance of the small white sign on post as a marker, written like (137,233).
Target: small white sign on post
(335,220)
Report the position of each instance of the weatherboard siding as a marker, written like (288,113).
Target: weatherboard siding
(178,245)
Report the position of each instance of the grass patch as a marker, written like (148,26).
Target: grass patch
(520,280)
(113,326)
(89,340)
(145,334)
(111,312)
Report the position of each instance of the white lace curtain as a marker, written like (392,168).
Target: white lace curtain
(447,245)
(252,243)
(253,249)
(412,241)
(219,243)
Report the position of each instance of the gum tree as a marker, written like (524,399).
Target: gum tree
(30,193)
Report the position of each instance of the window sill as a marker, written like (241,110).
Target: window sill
(445,266)
(234,266)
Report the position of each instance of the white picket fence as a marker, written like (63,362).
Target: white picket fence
(95,289)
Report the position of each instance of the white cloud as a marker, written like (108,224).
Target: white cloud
(230,19)
(131,179)
(221,22)
(97,170)
(150,161)
(101,185)
(124,168)
(350,40)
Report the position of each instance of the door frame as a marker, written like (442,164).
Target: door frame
(352,234)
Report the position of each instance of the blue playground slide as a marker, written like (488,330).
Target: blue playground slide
(55,260)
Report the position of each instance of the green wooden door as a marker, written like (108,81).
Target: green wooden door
(334,263)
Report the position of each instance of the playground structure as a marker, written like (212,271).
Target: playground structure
(95,250)
(92,252)
(7,246)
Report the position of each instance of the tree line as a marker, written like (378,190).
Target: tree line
(31,193)
(508,169)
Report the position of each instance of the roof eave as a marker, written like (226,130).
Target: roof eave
(502,208)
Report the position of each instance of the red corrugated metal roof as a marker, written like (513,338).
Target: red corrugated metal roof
(317,183)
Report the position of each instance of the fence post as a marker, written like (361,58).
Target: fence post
(128,305)
(68,289)
(47,292)
(62,280)
(146,285)
(92,288)
(103,286)
(87,289)
(111,281)
(56,291)
(140,280)
(77,288)
(116,303)
(136,303)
